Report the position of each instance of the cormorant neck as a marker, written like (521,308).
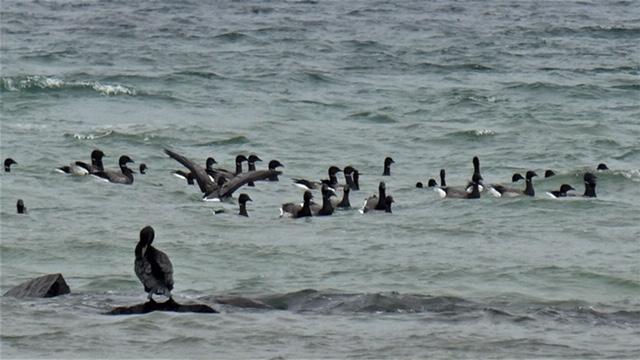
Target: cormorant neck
(140,250)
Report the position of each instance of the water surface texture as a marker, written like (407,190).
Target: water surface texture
(529,85)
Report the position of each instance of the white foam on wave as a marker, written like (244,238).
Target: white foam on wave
(51,82)
(113,89)
(484,132)
(92,136)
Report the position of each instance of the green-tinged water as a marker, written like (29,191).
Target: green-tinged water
(522,85)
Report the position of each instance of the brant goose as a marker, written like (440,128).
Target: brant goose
(124,176)
(7,164)
(80,168)
(298,210)
(503,191)
(387,166)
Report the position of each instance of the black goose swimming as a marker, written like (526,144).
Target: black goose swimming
(387,203)
(356,180)
(387,166)
(376,202)
(327,207)
(273,165)
(602,167)
(242,202)
(153,266)
(344,202)
(514,178)
(313,185)
(21,209)
(213,190)
(462,192)
(348,175)
(549,173)
(124,176)
(503,191)
(7,164)
(589,185)
(251,160)
(79,168)
(564,188)
(143,168)
(296,210)
(454,190)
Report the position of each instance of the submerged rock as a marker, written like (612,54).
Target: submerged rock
(44,286)
(169,305)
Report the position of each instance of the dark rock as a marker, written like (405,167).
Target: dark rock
(169,305)
(45,286)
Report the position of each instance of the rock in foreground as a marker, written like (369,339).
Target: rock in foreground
(44,286)
(169,305)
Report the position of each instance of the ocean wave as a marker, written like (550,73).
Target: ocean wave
(578,90)
(200,74)
(596,31)
(516,310)
(310,300)
(372,117)
(314,76)
(472,97)
(473,133)
(597,70)
(454,67)
(35,83)
(234,36)
(143,137)
(234,140)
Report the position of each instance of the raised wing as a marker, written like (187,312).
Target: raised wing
(204,181)
(242,179)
